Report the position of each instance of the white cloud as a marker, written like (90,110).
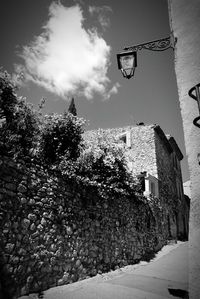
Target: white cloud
(101,13)
(113,90)
(66,58)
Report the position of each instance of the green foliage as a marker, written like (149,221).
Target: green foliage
(61,138)
(26,132)
(56,141)
(102,164)
(8,98)
(18,120)
(72,108)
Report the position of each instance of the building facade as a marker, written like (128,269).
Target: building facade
(184,21)
(154,158)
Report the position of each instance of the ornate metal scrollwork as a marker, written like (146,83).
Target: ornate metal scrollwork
(156,45)
(196,97)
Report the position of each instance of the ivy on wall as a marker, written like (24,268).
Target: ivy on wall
(56,142)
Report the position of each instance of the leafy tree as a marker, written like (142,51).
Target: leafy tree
(18,120)
(72,108)
(25,131)
(61,137)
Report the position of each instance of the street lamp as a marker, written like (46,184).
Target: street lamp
(127,60)
(196,97)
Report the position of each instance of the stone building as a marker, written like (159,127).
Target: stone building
(154,158)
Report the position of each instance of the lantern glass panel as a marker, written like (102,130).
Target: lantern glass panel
(127,62)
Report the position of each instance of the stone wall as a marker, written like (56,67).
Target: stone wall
(54,232)
(142,153)
(151,151)
(167,184)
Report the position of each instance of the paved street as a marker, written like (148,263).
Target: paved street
(166,276)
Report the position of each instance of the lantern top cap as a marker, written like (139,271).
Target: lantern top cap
(124,53)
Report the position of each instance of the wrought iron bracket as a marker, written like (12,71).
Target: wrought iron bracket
(156,45)
(196,98)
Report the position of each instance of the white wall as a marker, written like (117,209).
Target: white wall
(185,23)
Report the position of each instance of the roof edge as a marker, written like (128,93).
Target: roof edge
(176,148)
(163,137)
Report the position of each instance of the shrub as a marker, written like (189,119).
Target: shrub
(18,121)
(56,140)
(102,164)
(61,137)
(25,132)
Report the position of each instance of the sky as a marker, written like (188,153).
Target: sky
(68,49)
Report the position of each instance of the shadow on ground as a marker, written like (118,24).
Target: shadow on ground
(179,293)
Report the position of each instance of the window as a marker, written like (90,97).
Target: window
(152,188)
(151,185)
(126,138)
(123,138)
(142,182)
